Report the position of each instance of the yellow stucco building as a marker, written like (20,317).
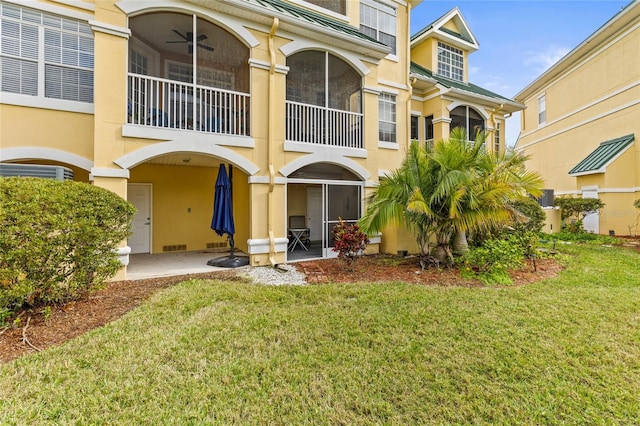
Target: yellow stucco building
(306,103)
(582,121)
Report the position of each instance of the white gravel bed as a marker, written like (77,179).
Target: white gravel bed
(281,275)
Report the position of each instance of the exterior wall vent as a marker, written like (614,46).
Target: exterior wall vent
(35,170)
(222,244)
(175,247)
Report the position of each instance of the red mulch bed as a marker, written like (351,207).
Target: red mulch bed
(34,331)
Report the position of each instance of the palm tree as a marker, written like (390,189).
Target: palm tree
(454,186)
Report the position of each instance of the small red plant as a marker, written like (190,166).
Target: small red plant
(350,241)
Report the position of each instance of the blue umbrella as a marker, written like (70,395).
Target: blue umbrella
(222,219)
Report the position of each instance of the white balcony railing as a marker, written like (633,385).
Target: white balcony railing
(159,102)
(325,126)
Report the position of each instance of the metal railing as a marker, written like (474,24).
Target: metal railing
(322,125)
(159,102)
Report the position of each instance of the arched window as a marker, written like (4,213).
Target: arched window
(468,119)
(167,44)
(187,73)
(322,79)
(324,100)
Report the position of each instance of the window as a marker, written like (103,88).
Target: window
(338,6)
(468,119)
(496,139)
(450,62)
(45,55)
(415,133)
(139,63)
(387,118)
(542,109)
(428,128)
(379,21)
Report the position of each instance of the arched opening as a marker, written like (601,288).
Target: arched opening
(318,195)
(324,100)
(174,196)
(468,119)
(187,73)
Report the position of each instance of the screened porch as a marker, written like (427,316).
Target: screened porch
(323,101)
(187,73)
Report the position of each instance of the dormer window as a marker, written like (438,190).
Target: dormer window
(450,62)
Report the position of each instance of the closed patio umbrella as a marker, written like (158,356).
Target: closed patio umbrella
(222,220)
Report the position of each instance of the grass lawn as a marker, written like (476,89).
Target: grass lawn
(563,351)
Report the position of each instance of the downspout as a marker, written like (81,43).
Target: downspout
(494,123)
(410,80)
(271,142)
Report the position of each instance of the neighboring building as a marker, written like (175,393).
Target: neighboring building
(582,123)
(309,102)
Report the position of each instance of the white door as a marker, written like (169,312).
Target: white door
(314,212)
(591,222)
(140,196)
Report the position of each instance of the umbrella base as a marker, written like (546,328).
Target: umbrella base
(229,262)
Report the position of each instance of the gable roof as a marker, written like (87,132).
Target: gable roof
(423,73)
(462,38)
(598,160)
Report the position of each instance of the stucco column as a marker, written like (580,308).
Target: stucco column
(441,128)
(110,100)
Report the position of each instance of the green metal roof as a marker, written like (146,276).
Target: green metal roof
(313,18)
(604,154)
(449,83)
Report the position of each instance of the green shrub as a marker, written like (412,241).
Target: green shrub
(574,211)
(58,240)
(533,213)
(492,261)
(581,237)
(528,217)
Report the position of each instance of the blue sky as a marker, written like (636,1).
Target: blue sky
(519,39)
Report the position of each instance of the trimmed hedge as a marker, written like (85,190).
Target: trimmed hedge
(57,240)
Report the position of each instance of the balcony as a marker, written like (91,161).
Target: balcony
(324,126)
(163,103)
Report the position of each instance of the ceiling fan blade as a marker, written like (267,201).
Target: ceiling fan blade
(190,49)
(204,46)
(176,41)
(202,37)
(182,35)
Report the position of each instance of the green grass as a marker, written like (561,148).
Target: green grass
(563,351)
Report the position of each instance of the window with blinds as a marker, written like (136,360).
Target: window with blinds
(387,118)
(378,21)
(45,55)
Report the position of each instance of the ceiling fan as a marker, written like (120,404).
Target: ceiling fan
(188,38)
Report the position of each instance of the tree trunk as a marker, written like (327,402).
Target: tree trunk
(460,245)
